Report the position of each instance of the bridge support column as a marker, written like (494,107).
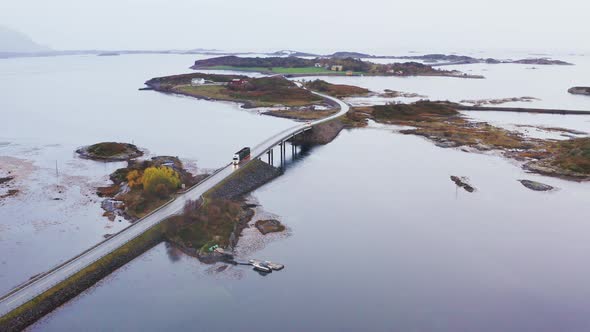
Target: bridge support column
(281,147)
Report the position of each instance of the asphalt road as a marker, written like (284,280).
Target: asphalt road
(35,287)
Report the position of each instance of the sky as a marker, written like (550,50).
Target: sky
(376,26)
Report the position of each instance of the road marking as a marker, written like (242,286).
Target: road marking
(18,297)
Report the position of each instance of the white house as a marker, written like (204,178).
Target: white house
(197,81)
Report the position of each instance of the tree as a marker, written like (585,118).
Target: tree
(134,179)
(160,180)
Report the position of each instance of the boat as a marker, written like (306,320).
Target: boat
(261,266)
(274,266)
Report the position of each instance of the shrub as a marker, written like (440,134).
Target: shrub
(160,180)
(134,179)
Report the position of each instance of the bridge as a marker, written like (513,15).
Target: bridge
(39,284)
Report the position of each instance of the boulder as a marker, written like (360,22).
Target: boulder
(269,226)
(536,186)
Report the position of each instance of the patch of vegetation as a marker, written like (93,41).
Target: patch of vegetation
(419,111)
(255,92)
(300,66)
(168,82)
(107,149)
(200,227)
(159,181)
(336,90)
(301,114)
(573,155)
(148,184)
(278,70)
(440,122)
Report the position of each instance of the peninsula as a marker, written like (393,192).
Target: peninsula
(251,92)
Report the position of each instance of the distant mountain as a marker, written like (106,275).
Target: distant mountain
(17,42)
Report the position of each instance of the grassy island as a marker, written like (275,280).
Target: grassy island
(295,66)
(110,151)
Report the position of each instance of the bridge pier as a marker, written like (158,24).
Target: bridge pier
(281,147)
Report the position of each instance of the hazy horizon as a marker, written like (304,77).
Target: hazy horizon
(372,26)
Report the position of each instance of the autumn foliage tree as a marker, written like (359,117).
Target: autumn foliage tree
(160,181)
(134,179)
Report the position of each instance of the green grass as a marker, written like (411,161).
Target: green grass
(268,98)
(283,70)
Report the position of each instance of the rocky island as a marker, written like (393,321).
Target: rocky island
(580,90)
(110,151)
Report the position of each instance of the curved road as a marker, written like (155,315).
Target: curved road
(37,286)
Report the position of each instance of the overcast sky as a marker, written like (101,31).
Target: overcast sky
(307,25)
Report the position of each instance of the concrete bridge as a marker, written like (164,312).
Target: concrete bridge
(38,285)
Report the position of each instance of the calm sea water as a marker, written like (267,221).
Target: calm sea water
(51,106)
(379,237)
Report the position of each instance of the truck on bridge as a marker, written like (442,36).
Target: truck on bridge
(241,155)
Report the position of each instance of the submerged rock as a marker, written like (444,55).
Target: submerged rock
(462,182)
(536,186)
(269,226)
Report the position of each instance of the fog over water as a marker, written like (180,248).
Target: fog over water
(371,25)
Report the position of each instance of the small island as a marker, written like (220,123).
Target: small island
(453,59)
(143,186)
(580,90)
(110,151)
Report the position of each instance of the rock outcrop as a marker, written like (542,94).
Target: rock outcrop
(536,186)
(580,90)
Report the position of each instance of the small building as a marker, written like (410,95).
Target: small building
(238,83)
(197,81)
(317,65)
(349,73)
(337,68)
